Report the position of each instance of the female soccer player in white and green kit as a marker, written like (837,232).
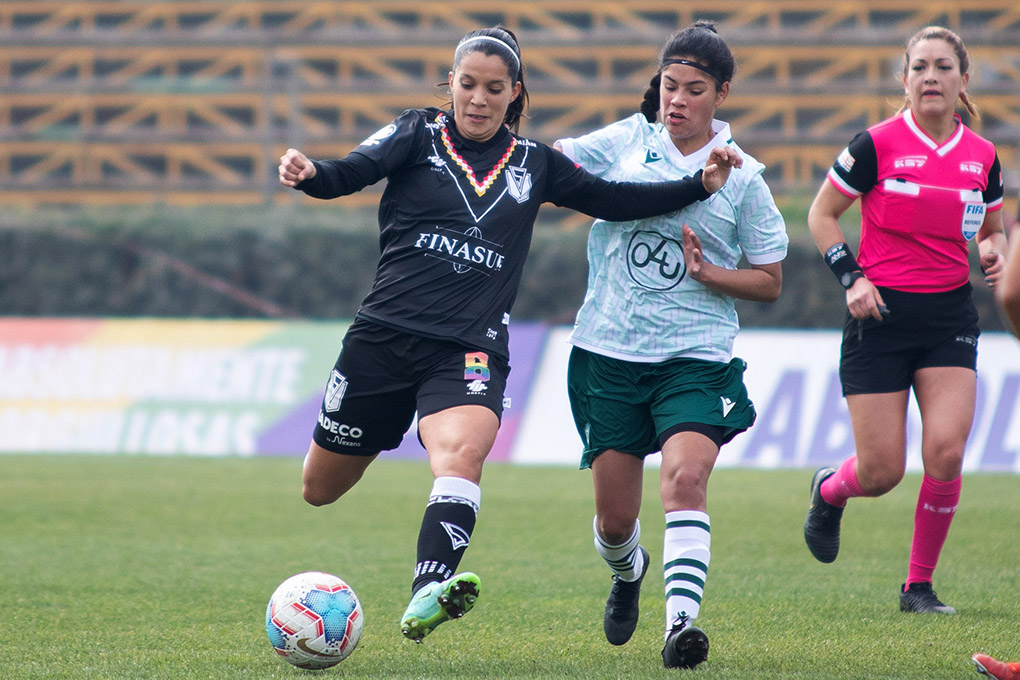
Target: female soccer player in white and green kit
(652,367)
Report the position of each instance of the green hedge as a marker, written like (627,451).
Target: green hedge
(306,262)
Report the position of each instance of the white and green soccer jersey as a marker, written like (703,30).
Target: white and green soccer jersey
(640,304)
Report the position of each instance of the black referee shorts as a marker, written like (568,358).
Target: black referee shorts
(383,376)
(922,330)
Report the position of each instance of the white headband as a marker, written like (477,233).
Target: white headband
(494,40)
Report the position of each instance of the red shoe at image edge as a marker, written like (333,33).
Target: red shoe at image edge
(986,665)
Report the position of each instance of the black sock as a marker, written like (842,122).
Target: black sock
(445,530)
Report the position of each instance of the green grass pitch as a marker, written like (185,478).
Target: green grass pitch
(160,568)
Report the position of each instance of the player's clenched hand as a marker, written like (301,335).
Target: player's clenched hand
(864,300)
(992,266)
(718,166)
(295,168)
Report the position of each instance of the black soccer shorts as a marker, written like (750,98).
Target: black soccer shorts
(383,376)
(922,330)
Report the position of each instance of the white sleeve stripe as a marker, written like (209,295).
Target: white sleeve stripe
(770,257)
(841,184)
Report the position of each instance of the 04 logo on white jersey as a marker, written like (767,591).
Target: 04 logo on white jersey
(654,261)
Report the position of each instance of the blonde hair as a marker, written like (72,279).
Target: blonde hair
(944,34)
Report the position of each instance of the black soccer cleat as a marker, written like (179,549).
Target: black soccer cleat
(821,528)
(919,598)
(686,646)
(622,606)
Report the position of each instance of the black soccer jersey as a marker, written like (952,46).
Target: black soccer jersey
(456,220)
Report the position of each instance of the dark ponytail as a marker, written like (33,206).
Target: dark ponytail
(650,104)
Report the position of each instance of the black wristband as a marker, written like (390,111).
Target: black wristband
(843,264)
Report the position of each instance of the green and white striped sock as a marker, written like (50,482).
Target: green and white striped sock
(686,551)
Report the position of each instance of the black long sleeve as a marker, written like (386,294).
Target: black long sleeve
(573,187)
(335,178)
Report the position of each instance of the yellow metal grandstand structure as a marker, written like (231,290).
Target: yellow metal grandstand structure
(190,103)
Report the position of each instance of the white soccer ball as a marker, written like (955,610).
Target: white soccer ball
(314,620)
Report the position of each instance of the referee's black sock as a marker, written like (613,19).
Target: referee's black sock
(445,529)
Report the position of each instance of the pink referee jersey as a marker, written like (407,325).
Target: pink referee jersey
(921,202)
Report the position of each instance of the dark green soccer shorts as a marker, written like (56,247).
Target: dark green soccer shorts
(628,406)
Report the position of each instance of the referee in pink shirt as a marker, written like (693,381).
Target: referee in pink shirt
(928,185)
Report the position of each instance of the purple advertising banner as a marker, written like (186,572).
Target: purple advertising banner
(291,433)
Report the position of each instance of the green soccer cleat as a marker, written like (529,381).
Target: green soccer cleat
(438,602)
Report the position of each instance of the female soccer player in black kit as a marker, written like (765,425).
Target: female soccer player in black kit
(456,219)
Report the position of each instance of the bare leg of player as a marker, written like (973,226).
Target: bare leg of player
(327,475)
